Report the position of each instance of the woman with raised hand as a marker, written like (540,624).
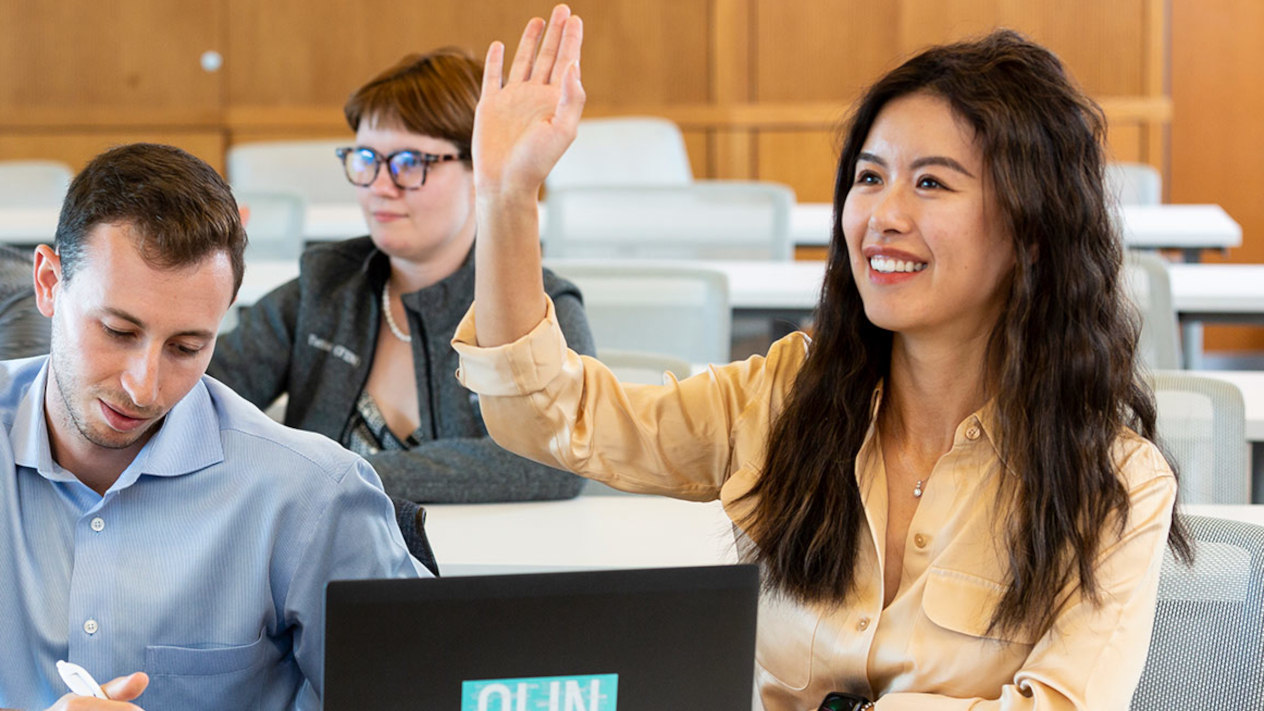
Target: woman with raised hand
(949,488)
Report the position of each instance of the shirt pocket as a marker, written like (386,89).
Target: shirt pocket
(185,677)
(784,641)
(956,651)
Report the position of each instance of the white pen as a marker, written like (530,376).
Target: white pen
(79,680)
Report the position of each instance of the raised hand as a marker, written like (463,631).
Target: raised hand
(526,119)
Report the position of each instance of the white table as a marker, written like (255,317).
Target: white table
(609,532)
(587,532)
(1218,292)
(753,286)
(1189,227)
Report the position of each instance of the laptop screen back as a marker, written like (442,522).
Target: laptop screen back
(635,640)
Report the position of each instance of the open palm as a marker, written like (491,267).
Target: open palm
(525,120)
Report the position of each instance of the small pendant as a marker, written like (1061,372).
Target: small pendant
(917,490)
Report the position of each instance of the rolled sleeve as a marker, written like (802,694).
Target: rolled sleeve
(522,367)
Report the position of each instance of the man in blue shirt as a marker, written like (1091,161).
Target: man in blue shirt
(151,520)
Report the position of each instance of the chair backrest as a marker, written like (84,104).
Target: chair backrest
(624,151)
(308,168)
(672,309)
(1202,426)
(1150,287)
(274,224)
(1134,183)
(705,220)
(1207,650)
(33,183)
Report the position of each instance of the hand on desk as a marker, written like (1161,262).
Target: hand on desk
(120,690)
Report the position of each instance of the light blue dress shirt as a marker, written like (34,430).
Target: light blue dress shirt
(204,565)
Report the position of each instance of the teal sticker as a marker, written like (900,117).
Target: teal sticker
(592,692)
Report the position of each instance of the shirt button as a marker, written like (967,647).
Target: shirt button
(90,627)
(973,432)
(863,624)
(919,540)
(98,524)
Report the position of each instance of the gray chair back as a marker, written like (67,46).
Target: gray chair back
(274,224)
(623,151)
(34,183)
(1207,650)
(672,309)
(1202,425)
(1134,183)
(705,220)
(309,168)
(1150,288)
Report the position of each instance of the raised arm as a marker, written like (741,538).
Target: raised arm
(524,122)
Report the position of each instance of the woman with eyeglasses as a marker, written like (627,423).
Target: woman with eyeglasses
(360,340)
(950,488)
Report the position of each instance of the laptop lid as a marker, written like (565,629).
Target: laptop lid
(632,640)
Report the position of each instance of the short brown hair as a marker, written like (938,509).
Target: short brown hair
(431,94)
(180,209)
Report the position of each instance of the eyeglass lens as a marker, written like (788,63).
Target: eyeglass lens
(408,168)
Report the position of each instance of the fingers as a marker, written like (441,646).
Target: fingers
(546,58)
(570,105)
(126,688)
(520,70)
(493,66)
(572,41)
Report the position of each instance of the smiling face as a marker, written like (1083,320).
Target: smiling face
(433,224)
(129,341)
(925,239)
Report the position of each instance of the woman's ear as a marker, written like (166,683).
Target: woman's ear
(48,280)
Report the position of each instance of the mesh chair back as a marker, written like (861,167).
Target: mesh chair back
(274,225)
(1150,287)
(708,220)
(676,310)
(33,183)
(1134,183)
(623,151)
(308,168)
(1202,425)
(1207,650)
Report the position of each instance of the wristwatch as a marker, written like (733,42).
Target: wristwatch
(843,701)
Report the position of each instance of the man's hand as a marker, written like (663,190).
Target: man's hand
(120,691)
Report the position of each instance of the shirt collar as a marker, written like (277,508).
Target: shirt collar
(983,418)
(187,440)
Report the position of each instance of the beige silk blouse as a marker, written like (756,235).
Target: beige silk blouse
(704,437)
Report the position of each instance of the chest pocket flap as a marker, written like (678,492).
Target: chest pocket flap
(964,603)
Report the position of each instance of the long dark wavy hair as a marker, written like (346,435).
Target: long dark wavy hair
(1061,358)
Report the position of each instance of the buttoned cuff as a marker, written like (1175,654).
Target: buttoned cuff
(522,367)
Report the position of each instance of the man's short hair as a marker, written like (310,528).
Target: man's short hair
(179,209)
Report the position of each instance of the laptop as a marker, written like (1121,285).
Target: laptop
(631,640)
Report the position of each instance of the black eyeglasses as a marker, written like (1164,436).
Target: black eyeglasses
(408,169)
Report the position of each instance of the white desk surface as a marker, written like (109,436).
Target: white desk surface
(1227,289)
(1152,226)
(610,532)
(793,285)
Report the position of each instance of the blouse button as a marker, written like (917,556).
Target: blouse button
(863,624)
(919,540)
(973,432)
(90,627)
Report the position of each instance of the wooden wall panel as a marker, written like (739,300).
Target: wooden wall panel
(315,52)
(804,160)
(1215,134)
(123,54)
(76,149)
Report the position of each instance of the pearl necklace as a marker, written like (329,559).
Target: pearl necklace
(390,320)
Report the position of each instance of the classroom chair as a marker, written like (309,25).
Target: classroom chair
(1134,183)
(623,151)
(33,183)
(309,168)
(672,309)
(1202,426)
(1150,288)
(1207,649)
(274,223)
